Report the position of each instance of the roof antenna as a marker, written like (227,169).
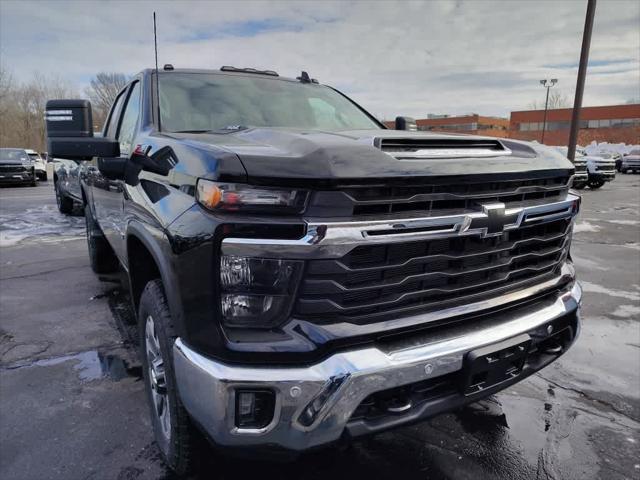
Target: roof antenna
(304,77)
(155,44)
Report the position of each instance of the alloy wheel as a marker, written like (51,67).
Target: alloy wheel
(157,377)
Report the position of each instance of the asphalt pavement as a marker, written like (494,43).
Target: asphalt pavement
(72,403)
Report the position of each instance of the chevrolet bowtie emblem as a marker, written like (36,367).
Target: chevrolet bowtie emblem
(495,219)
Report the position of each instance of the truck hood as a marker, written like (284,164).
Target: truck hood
(276,155)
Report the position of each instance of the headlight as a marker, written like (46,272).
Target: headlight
(256,292)
(236,196)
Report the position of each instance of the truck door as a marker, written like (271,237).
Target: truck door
(109,194)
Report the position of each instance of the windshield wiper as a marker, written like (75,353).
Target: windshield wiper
(227,129)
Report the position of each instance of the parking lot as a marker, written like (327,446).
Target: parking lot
(73,406)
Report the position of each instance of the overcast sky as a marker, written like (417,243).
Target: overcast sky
(409,58)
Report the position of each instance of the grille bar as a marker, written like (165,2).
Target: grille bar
(326,306)
(321,287)
(463,191)
(377,280)
(436,198)
(338,266)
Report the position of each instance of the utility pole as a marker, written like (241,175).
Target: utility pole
(582,73)
(546,84)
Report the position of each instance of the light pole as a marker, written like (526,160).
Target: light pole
(582,73)
(546,84)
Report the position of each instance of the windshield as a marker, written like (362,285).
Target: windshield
(634,152)
(13,154)
(205,101)
(34,156)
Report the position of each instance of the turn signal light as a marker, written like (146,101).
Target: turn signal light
(240,197)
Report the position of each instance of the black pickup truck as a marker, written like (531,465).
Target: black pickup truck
(303,275)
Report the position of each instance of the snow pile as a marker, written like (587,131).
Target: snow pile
(594,148)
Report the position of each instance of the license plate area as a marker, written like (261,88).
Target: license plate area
(489,366)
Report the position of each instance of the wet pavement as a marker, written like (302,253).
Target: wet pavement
(72,404)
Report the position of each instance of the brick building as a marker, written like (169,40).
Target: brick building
(613,124)
(471,124)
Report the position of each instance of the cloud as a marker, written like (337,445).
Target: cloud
(393,58)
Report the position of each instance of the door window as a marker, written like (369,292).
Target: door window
(129,121)
(112,127)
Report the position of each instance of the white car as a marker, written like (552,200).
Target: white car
(600,169)
(39,163)
(581,175)
(631,161)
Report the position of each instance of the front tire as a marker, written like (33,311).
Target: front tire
(101,255)
(175,435)
(595,184)
(65,204)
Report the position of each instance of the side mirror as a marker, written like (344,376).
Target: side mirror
(406,123)
(70,132)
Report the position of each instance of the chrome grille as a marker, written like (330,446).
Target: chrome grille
(581,167)
(398,279)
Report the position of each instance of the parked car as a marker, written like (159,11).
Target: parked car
(617,158)
(591,170)
(16,166)
(39,164)
(66,184)
(302,274)
(631,162)
(601,168)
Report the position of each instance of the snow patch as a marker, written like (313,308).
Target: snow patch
(626,311)
(595,288)
(624,222)
(588,263)
(42,224)
(585,227)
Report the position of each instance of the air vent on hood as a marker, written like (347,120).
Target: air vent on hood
(442,147)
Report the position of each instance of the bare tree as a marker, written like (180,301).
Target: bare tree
(102,92)
(6,84)
(557,99)
(23,106)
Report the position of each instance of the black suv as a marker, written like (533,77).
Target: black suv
(301,273)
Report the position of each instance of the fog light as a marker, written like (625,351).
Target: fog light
(254,408)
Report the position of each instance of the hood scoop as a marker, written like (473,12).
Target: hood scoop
(419,148)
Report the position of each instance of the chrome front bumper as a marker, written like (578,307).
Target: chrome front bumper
(207,387)
(581,178)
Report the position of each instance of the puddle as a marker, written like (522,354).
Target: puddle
(94,365)
(43,224)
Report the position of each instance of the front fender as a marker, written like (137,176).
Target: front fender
(156,243)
